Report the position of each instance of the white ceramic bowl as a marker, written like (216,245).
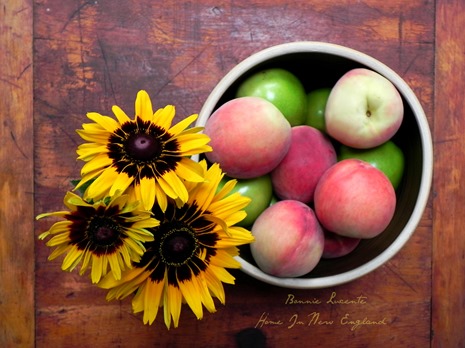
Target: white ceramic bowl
(319,64)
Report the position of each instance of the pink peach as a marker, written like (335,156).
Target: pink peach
(289,240)
(311,153)
(355,199)
(249,137)
(338,246)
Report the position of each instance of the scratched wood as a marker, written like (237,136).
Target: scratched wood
(449,196)
(16,176)
(91,55)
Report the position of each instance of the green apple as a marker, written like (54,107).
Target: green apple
(316,104)
(273,199)
(387,157)
(280,87)
(258,189)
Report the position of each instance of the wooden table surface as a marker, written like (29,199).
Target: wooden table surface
(61,59)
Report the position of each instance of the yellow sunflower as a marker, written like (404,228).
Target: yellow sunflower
(186,262)
(101,235)
(145,156)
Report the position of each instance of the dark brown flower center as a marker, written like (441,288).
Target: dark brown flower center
(177,245)
(103,231)
(143,147)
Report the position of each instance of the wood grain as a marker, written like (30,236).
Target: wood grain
(449,195)
(95,54)
(16,176)
(91,55)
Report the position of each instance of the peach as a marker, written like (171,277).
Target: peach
(337,245)
(364,109)
(310,154)
(354,199)
(249,137)
(289,240)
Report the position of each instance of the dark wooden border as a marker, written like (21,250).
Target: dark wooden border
(16,175)
(448,302)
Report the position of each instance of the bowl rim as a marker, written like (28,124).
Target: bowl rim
(426,143)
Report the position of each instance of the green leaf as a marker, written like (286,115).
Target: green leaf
(84,187)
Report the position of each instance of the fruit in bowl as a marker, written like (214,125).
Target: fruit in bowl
(336,245)
(249,137)
(258,189)
(289,240)
(320,65)
(355,199)
(280,87)
(310,154)
(316,106)
(387,157)
(364,109)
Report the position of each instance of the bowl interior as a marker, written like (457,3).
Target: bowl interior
(319,69)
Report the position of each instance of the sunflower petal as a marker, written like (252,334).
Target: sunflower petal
(205,193)
(44,235)
(99,137)
(85,262)
(230,204)
(152,295)
(120,201)
(95,164)
(138,304)
(88,177)
(102,184)
(114,265)
(223,259)
(190,170)
(164,117)
(225,190)
(97,268)
(73,201)
(222,274)
(147,189)
(71,259)
(173,186)
(61,249)
(128,276)
(193,144)
(94,128)
(160,197)
(56,213)
(205,294)
(122,182)
(88,151)
(126,258)
(182,125)
(172,300)
(193,129)
(120,114)
(190,289)
(215,285)
(145,223)
(108,123)
(143,106)
(58,239)
(235,238)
